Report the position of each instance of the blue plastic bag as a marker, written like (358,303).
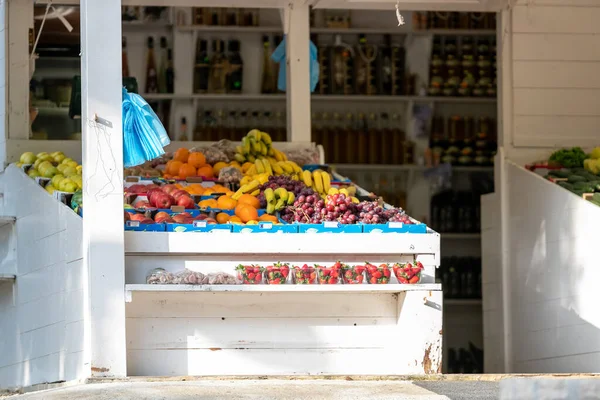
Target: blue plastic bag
(144,136)
(279,57)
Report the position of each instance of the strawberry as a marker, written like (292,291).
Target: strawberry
(313,276)
(386,272)
(402,280)
(359,279)
(376,274)
(250,275)
(373,280)
(414,279)
(276,281)
(256,270)
(257,278)
(332,281)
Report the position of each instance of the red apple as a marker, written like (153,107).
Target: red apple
(188,220)
(142,204)
(186,214)
(178,193)
(186,202)
(210,221)
(146,221)
(137,217)
(168,189)
(127,216)
(164,201)
(178,218)
(201,217)
(161,216)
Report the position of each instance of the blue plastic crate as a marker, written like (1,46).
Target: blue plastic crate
(136,226)
(330,227)
(262,227)
(395,227)
(198,226)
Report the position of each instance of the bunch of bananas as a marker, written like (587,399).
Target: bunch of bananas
(257,145)
(273,167)
(277,199)
(248,188)
(319,181)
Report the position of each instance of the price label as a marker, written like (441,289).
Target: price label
(396,224)
(266,225)
(134,224)
(199,224)
(331,224)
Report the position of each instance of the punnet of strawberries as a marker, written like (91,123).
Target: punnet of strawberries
(249,274)
(305,275)
(353,274)
(408,272)
(277,273)
(329,275)
(378,274)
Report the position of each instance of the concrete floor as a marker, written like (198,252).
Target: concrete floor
(251,389)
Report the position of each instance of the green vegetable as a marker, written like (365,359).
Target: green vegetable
(569,158)
(565,185)
(576,178)
(596,197)
(560,173)
(583,186)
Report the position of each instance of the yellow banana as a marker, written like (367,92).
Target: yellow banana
(245,145)
(255,147)
(251,158)
(263,178)
(271,208)
(259,166)
(250,187)
(267,166)
(297,169)
(271,152)
(255,133)
(251,171)
(263,148)
(281,194)
(333,191)
(291,198)
(345,192)
(239,158)
(326,181)
(307,178)
(269,195)
(279,205)
(255,193)
(265,137)
(238,194)
(287,168)
(351,190)
(239,149)
(318,180)
(277,154)
(277,170)
(355,200)
(245,179)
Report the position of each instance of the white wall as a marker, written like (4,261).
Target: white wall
(551,265)
(41,314)
(550,81)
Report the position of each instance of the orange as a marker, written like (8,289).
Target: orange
(173,168)
(246,166)
(208,192)
(210,203)
(206,171)
(219,166)
(229,193)
(249,200)
(235,220)
(196,159)
(218,188)
(226,203)
(179,185)
(186,170)
(167,176)
(181,155)
(268,218)
(222,218)
(194,188)
(246,213)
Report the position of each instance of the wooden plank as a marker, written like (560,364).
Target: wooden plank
(551,130)
(561,3)
(258,333)
(553,102)
(273,305)
(560,47)
(556,74)
(267,243)
(101,94)
(533,19)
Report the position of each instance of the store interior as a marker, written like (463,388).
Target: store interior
(407,112)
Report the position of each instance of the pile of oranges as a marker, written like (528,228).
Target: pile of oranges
(186,164)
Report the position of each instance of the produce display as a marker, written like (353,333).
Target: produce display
(57,171)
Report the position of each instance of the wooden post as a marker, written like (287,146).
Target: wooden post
(102,156)
(297,27)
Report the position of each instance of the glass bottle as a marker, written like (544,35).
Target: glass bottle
(467,152)
(276,66)
(164,61)
(385,136)
(397,140)
(125,61)
(362,142)
(267,86)
(374,138)
(437,68)
(350,138)
(484,65)
(220,128)
(316,135)
(281,130)
(337,134)
(151,78)
(385,68)
(468,67)
(170,72)
(453,75)
(218,68)
(201,67)
(364,69)
(236,68)
(341,70)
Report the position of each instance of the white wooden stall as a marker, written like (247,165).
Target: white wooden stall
(124,327)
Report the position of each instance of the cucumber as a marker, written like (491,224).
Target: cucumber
(583,186)
(560,173)
(565,185)
(596,197)
(576,178)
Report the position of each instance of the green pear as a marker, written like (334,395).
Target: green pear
(67,185)
(57,153)
(33,173)
(58,158)
(49,188)
(56,179)
(66,160)
(69,171)
(78,180)
(49,172)
(61,167)
(27,158)
(595,154)
(43,153)
(72,164)
(43,165)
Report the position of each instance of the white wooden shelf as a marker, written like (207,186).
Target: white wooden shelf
(405,167)
(336,31)
(53,110)
(279,243)
(145,26)
(7,278)
(463,302)
(320,98)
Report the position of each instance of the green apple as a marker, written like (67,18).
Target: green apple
(49,172)
(69,171)
(33,173)
(27,158)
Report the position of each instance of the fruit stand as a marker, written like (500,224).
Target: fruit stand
(295,271)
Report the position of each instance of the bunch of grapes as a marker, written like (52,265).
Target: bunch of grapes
(297,187)
(398,215)
(307,209)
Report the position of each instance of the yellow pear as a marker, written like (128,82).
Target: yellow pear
(49,188)
(27,158)
(68,171)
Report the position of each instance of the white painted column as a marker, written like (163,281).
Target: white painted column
(3,58)
(297,26)
(19,20)
(102,156)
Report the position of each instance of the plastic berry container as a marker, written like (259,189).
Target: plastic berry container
(329,275)
(249,274)
(408,273)
(304,275)
(378,275)
(276,274)
(353,275)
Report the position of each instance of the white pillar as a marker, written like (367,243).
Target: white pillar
(297,26)
(3,86)
(102,156)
